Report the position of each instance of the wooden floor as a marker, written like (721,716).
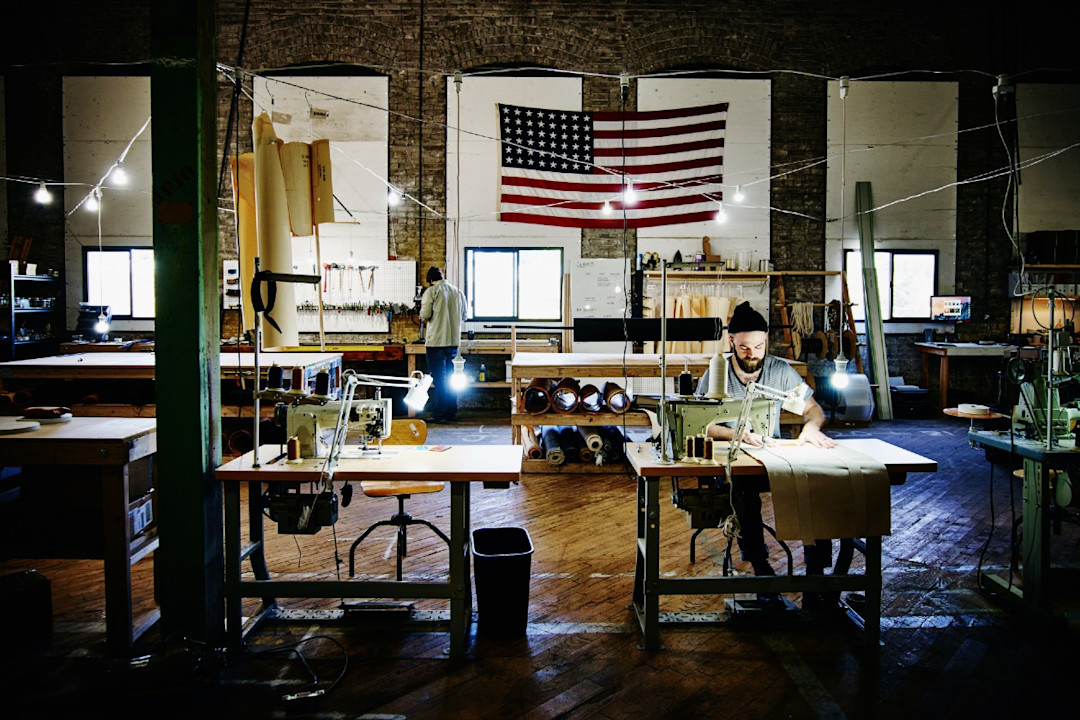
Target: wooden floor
(948,650)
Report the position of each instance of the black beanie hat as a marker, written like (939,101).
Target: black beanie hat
(746,319)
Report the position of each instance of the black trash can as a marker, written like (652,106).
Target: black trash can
(502,561)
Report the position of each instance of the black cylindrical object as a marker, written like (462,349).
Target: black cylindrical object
(686,383)
(322,383)
(502,566)
(275,377)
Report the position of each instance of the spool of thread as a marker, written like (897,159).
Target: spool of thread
(292,447)
(322,383)
(708,455)
(689,447)
(699,446)
(275,376)
(686,383)
(297,385)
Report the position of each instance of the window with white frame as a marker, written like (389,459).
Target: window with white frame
(123,279)
(514,284)
(906,281)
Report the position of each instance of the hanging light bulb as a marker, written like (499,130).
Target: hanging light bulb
(102,325)
(721,215)
(738,196)
(42,195)
(393,197)
(93,203)
(607,208)
(119,175)
(840,377)
(458,381)
(629,194)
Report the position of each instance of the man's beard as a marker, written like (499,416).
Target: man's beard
(750,365)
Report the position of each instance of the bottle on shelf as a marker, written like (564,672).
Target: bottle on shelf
(481,375)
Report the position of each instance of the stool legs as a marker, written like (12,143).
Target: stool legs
(401,520)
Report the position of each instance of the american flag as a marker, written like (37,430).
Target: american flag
(560,167)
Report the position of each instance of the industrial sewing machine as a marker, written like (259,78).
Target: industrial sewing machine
(317,426)
(1040,413)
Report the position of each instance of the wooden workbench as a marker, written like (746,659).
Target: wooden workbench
(460,466)
(109,445)
(649,586)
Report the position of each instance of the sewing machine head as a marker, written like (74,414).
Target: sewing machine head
(1039,403)
(691,418)
(314,423)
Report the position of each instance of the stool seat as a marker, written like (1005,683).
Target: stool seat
(388,488)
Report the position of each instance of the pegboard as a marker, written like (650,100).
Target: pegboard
(357,298)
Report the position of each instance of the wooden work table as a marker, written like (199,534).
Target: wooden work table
(142,365)
(944,351)
(649,586)
(109,445)
(459,465)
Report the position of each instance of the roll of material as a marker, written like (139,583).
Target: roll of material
(240,442)
(616,398)
(536,398)
(686,383)
(592,400)
(571,442)
(549,442)
(592,438)
(531,443)
(322,383)
(565,396)
(973,409)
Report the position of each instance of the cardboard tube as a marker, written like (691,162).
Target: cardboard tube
(275,240)
(243,177)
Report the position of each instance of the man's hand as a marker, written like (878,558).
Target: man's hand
(753,439)
(813,436)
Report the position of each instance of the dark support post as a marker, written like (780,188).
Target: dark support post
(183,105)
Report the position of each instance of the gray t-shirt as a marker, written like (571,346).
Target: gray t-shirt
(775,373)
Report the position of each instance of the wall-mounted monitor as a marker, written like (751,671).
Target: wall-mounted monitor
(954,308)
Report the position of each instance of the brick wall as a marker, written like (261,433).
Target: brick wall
(797,45)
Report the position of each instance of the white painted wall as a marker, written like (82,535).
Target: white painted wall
(900,137)
(101,116)
(747,150)
(1049,133)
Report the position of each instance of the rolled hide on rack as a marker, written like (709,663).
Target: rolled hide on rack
(531,443)
(549,443)
(591,400)
(536,398)
(571,442)
(240,442)
(615,398)
(565,396)
(592,438)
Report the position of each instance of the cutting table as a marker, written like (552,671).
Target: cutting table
(459,466)
(649,586)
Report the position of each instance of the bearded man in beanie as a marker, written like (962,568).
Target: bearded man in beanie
(748,332)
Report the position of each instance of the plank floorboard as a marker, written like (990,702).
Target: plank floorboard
(949,649)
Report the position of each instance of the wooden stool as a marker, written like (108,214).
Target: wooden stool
(406,431)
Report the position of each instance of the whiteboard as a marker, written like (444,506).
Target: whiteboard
(598,289)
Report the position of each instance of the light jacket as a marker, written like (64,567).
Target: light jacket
(443,308)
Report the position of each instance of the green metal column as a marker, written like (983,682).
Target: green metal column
(189,562)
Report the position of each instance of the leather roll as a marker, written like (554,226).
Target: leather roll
(592,438)
(566,396)
(592,400)
(571,442)
(536,397)
(549,441)
(615,397)
(531,443)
